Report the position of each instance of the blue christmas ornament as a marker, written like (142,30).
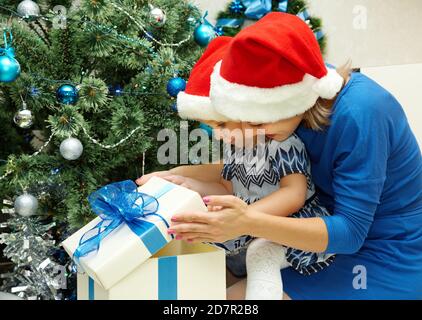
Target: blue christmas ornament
(10,68)
(67,94)
(204,33)
(175,85)
(206,128)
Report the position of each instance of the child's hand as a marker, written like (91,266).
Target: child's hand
(183,181)
(145,178)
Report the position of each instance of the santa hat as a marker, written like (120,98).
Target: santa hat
(194,102)
(272,70)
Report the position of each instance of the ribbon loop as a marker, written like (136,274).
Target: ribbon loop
(115,204)
(253,9)
(6,32)
(230,23)
(304,15)
(283,5)
(256,9)
(8,39)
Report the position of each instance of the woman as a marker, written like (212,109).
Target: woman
(367,167)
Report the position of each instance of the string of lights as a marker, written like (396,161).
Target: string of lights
(112,30)
(107,30)
(93,140)
(147,34)
(81,85)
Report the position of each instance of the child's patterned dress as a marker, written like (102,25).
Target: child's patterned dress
(256,174)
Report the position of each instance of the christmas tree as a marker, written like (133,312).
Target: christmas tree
(85,86)
(84,90)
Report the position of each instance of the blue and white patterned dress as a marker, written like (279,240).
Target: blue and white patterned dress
(255,174)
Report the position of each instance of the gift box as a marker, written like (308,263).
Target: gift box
(130,229)
(179,271)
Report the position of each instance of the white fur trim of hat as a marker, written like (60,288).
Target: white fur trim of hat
(252,104)
(195,107)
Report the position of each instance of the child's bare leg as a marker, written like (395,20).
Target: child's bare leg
(264,259)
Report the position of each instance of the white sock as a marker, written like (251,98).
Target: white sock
(264,259)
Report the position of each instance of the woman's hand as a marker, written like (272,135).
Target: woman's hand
(171,177)
(233,220)
(205,172)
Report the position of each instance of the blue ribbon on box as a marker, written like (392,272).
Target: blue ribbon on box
(119,203)
(91,289)
(167,280)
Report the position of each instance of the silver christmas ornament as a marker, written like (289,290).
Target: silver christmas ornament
(26,205)
(24,118)
(158,16)
(28,9)
(71,149)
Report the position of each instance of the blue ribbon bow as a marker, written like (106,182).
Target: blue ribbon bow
(217,28)
(119,203)
(237,6)
(230,23)
(304,15)
(254,9)
(283,5)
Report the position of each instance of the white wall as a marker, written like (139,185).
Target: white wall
(389,49)
(391,35)
(405,83)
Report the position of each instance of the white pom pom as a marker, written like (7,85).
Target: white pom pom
(327,87)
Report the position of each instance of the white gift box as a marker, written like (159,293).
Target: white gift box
(123,251)
(180,271)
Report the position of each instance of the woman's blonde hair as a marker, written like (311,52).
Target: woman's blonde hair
(318,116)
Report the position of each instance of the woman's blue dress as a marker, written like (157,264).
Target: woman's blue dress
(367,167)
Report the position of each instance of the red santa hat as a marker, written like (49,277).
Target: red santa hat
(272,70)
(194,102)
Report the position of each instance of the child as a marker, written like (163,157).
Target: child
(273,175)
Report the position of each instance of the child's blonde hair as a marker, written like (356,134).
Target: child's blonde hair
(318,116)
